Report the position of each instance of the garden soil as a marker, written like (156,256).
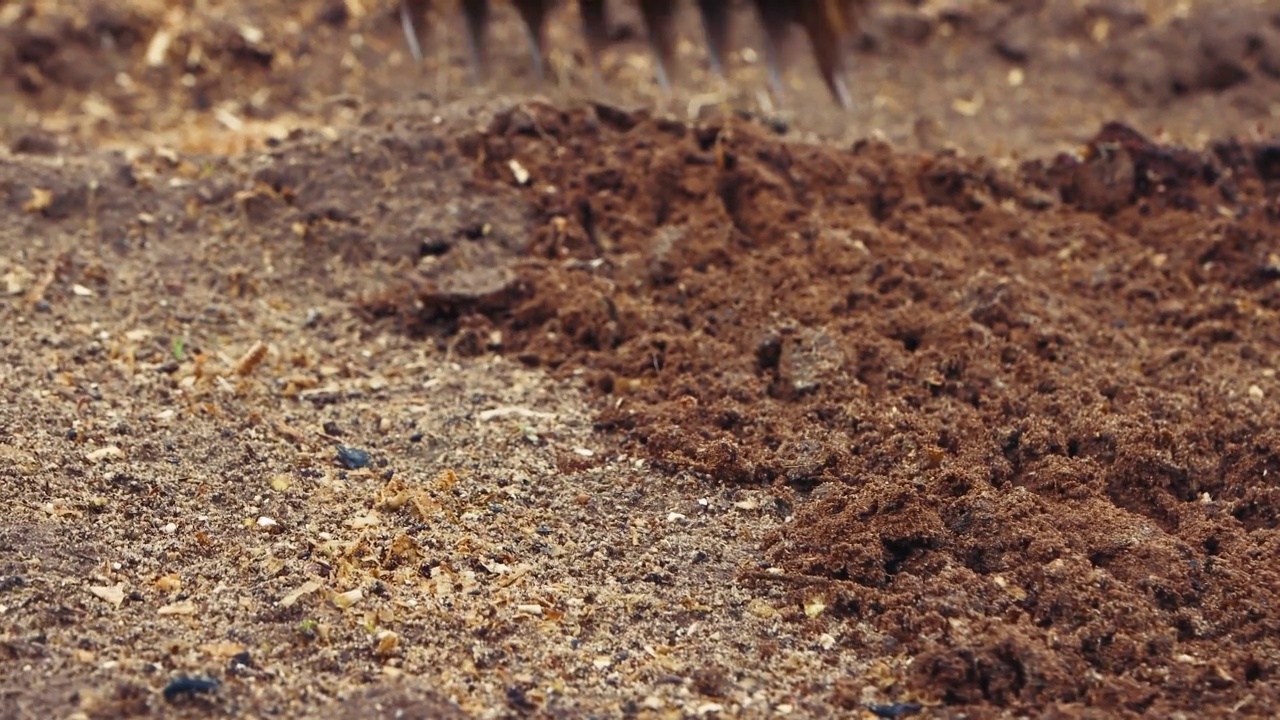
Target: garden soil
(339,386)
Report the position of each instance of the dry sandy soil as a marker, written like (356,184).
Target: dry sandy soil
(336,386)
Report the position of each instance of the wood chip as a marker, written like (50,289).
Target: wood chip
(110,452)
(346,599)
(306,588)
(41,200)
(251,359)
(113,594)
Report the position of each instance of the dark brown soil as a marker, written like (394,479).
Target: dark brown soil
(965,399)
(1026,413)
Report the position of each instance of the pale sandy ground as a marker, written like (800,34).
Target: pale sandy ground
(165,513)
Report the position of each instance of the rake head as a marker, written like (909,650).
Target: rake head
(827,24)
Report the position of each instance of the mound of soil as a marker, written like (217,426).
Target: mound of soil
(1027,414)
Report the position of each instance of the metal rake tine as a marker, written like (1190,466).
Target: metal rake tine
(534,14)
(827,22)
(775,16)
(659,18)
(413,20)
(476,14)
(715,27)
(595,26)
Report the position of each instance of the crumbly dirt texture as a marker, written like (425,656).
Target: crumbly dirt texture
(338,386)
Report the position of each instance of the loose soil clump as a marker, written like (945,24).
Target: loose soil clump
(1024,412)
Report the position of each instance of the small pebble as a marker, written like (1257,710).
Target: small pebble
(189,687)
(352,458)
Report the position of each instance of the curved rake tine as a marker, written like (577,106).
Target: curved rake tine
(534,14)
(595,27)
(413,20)
(476,14)
(715,28)
(827,26)
(775,17)
(659,19)
(826,23)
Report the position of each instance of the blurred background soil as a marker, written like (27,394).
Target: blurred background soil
(987,76)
